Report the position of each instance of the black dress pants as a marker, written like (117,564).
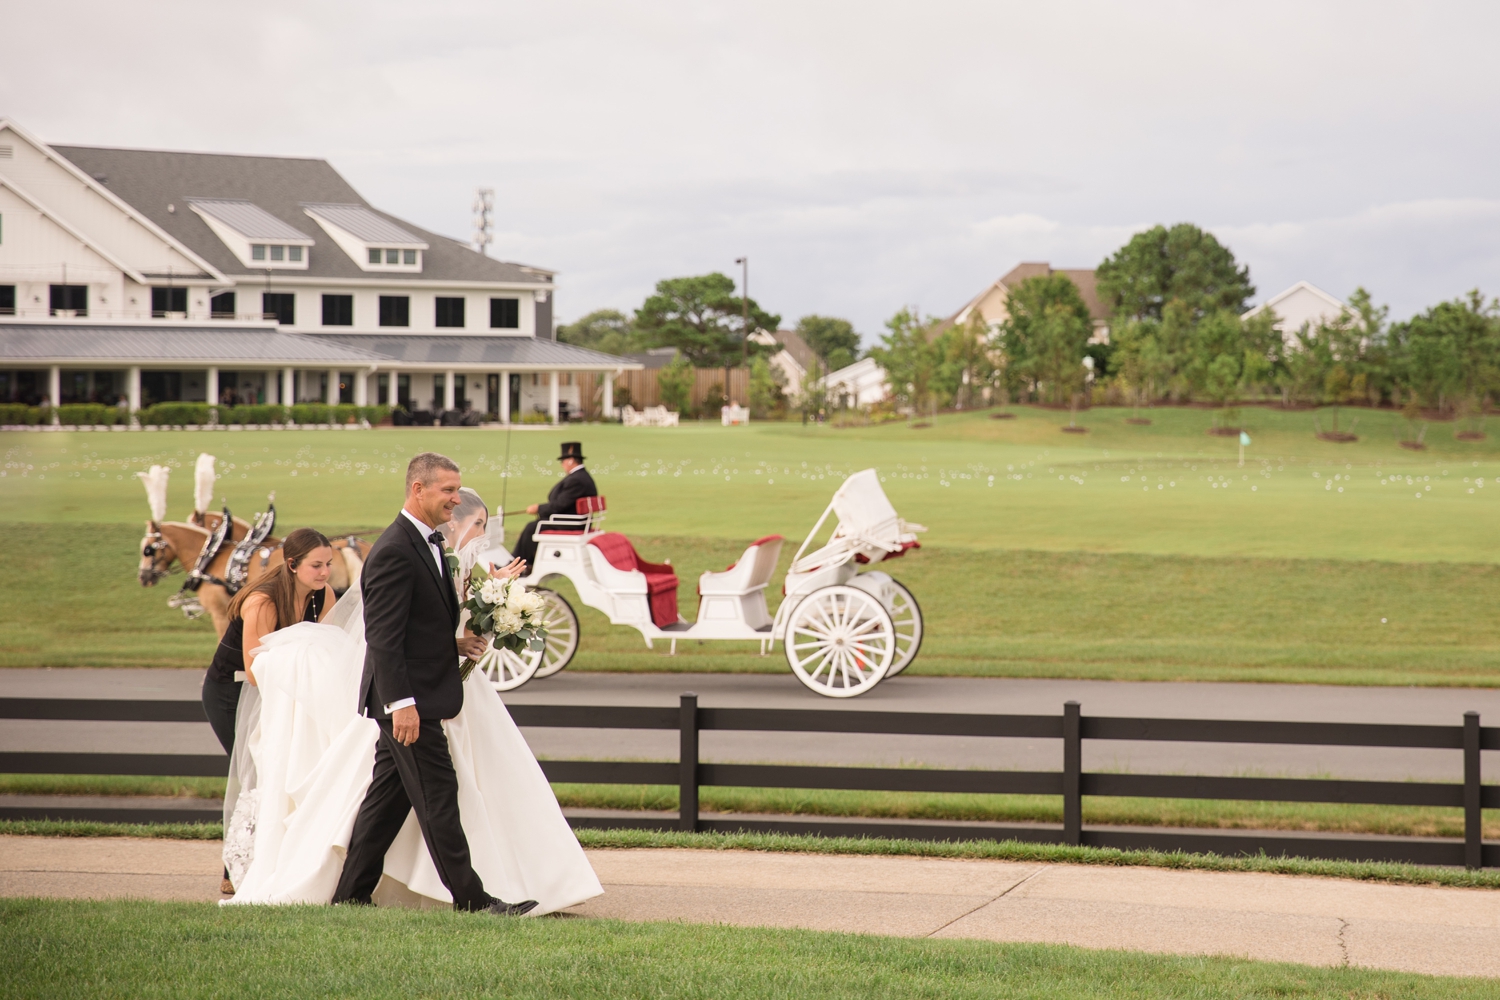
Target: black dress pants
(221,703)
(417,778)
(526,545)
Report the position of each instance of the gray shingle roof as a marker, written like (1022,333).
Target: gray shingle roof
(176,345)
(248,219)
(151,180)
(361,223)
(422,349)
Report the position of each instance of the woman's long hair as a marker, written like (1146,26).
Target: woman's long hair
(281,586)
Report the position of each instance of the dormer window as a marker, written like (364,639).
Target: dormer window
(372,241)
(258,238)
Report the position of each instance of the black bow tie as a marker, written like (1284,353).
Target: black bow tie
(436,538)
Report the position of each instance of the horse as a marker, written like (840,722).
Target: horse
(168,543)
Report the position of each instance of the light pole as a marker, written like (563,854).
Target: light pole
(744,263)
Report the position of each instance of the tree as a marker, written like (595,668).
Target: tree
(765,388)
(676,383)
(966,361)
(909,358)
(1452,352)
(1217,367)
(1045,334)
(1138,360)
(700,316)
(1182,263)
(831,339)
(607,330)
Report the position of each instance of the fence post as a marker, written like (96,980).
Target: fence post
(1473,815)
(1072,775)
(687,764)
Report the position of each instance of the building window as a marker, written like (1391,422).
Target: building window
(393,256)
(168,300)
(257,251)
(221,306)
(7,300)
(383,389)
(505,314)
(338,310)
(277,253)
(408,256)
(73,298)
(294,253)
(346,387)
(374,256)
(450,311)
(395,310)
(281,306)
(403,392)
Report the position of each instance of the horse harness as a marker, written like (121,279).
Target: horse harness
(238,572)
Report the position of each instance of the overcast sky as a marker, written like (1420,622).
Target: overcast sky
(865,155)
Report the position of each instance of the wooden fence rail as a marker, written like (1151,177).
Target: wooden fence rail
(690,773)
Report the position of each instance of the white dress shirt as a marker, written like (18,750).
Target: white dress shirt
(442,564)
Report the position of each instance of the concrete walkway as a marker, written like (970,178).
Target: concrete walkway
(1282,918)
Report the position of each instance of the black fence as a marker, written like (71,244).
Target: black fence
(689,773)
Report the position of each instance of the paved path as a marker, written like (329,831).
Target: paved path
(1280,918)
(931,694)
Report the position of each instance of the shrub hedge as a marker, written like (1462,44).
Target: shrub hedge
(183,414)
(88,414)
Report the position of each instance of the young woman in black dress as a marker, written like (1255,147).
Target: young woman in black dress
(297,592)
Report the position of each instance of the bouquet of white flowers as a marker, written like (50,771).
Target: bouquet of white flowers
(503,611)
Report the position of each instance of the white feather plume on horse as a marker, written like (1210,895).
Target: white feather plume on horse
(203,483)
(156,490)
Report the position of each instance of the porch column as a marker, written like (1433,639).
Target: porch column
(362,387)
(54,387)
(333,388)
(448,390)
(505,397)
(211,387)
(552,399)
(609,396)
(273,388)
(288,387)
(133,387)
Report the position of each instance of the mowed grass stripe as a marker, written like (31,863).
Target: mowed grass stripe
(69,597)
(195,950)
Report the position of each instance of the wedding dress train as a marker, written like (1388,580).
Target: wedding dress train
(296,790)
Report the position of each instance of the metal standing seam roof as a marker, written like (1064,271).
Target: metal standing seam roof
(148,345)
(248,219)
(425,349)
(363,224)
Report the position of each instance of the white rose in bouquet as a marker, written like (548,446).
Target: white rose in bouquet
(493,591)
(531,604)
(515,600)
(507,622)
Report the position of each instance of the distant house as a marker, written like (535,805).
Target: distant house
(990,302)
(860,384)
(793,359)
(1302,305)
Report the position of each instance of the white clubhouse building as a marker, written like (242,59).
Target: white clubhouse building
(150,276)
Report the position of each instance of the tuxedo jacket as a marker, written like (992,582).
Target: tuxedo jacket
(411,617)
(565,495)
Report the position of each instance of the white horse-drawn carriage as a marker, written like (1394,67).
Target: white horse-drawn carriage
(843,630)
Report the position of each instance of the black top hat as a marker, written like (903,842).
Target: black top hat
(573,450)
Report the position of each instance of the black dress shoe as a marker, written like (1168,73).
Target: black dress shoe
(500,908)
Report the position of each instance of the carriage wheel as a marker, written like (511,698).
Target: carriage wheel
(507,670)
(840,642)
(562,633)
(906,615)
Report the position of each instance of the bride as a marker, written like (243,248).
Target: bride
(302,764)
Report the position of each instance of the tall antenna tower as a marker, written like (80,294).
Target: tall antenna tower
(484,206)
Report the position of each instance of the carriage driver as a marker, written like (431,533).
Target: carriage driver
(575,484)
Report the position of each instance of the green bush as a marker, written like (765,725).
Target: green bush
(536,418)
(174,414)
(345,413)
(375,415)
(87,414)
(13,414)
(310,413)
(252,413)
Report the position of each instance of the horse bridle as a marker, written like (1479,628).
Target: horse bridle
(155,544)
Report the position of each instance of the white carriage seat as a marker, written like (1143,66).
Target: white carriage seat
(739,592)
(616,581)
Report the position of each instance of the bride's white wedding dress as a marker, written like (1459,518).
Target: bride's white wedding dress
(308,755)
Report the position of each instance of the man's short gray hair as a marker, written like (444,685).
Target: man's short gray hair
(422,468)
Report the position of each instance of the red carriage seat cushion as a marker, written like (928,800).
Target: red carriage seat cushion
(583,505)
(661,579)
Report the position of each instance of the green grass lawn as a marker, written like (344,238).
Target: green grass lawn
(1056,567)
(135,949)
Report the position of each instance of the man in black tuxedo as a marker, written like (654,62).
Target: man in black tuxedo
(575,484)
(410,685)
